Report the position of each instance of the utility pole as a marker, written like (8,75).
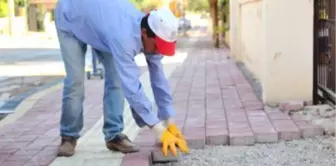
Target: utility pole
(11,10)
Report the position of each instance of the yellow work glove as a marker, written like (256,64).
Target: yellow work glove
(172,128)
(169,141)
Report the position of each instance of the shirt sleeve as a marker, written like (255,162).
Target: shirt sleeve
(160,87)
(129,74)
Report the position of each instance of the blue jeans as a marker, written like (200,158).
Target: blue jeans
(73,54)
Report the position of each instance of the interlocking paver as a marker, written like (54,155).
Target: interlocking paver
(241,138)
(287,129)
(308,130)
(217,136)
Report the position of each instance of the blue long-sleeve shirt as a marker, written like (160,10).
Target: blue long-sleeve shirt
(114,27)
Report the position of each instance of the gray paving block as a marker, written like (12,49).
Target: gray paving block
(195,143)
(176,164)
(157,156)
(168,164)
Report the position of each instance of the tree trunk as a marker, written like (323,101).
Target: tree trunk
(214,16)
(224,17)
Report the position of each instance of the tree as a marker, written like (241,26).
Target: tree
(198,5)
(215,27)
(3,8)
(224,12)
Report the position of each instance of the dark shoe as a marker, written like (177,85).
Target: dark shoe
(122,144)
(67,147)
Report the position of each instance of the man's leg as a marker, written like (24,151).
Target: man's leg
(73,55)
(114,107)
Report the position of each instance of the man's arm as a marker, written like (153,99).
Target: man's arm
(160,87)
(129,74)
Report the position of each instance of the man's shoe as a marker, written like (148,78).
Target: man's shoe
(122,144)
(67,147)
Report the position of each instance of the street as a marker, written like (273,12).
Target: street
(28,64)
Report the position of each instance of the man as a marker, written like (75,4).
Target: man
(117,31)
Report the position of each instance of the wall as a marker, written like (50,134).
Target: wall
(251,35)
(19,26)
(274,39)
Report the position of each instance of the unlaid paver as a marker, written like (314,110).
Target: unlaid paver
(158,157)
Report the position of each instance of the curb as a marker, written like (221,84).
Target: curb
(27,103)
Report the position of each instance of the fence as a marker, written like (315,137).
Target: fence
(324,52)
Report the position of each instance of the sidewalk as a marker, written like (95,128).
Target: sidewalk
(216,105)
(214,102)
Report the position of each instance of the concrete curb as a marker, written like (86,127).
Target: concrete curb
(27,104)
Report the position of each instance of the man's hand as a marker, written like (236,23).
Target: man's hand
(175,131)
(168,140)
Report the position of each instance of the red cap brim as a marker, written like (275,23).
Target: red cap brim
(164,47)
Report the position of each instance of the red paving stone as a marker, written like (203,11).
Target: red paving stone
(216,105)
(34,138)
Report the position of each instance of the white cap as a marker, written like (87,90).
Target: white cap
(164,24)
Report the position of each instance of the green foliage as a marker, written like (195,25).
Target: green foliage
(225,14)
(20,3)
(146,4)
(198,5)
(3,8)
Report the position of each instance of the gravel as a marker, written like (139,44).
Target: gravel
(308,152)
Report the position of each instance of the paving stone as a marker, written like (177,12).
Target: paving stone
(262,128)
(158,157)
(195,141)
(143,157)
(277,115)
(139,160)
(239,127)
(217,136)
(255,105)
(241,138)
(168,164)
(248,97)
(230,93)
(265,134)
(14,163)
(232,104)
(309,130)
(287,129)
(293,105)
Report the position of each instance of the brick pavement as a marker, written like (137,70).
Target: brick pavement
(216,105)
(34,138)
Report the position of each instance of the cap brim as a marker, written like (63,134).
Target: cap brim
(164,47)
